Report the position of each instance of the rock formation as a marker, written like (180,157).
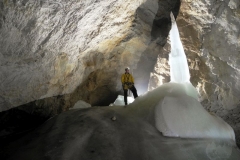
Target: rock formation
(51,48)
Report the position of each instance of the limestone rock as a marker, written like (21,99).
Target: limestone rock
(210,32)
(49,48)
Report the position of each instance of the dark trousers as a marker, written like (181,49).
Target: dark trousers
(134,91)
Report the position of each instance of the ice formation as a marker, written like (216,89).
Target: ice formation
(80,104)
(179,70)
(120,101)
(179,115)
(177,111)
(91,134)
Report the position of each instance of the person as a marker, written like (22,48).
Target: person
(128,83)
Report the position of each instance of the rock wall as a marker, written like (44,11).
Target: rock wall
(211,35)
(50,48)
(216,38)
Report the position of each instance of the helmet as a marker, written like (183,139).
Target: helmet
(127,68)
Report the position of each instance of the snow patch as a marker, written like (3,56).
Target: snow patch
(81,104)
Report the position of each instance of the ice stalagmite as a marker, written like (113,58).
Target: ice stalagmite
(178,112)
(179,70)
(177,59)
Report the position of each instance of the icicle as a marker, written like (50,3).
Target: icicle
(179,70)
(178,62)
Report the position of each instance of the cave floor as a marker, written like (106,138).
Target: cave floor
(106,133)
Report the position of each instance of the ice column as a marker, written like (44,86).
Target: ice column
(179,70)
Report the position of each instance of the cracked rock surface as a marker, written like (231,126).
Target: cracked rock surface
(49,48)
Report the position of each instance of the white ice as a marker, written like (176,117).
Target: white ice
(178,115)
(179,70)
(120,101)
(81,104)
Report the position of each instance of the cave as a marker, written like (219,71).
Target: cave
(54,54)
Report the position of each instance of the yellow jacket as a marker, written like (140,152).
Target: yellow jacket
(127,80)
